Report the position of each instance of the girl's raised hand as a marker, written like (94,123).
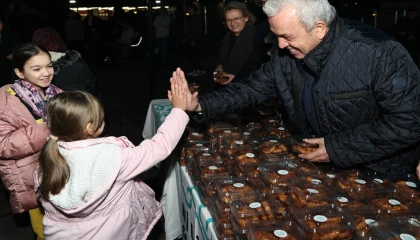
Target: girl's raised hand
(178,94)
(192,99)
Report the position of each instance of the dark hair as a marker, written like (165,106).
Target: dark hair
(193,7)
(68,114)
(24,52)
(49,39)
(234,5)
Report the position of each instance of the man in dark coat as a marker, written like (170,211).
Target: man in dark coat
(348,83)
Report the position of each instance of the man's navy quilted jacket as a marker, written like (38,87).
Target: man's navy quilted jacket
(366,96)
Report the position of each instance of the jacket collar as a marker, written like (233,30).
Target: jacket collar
(68,59)
(121,141)
(56,55)
(316,59)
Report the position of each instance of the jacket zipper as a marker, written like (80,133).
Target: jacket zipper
(300,105)
(307,130)
(309,71)
(315,107)
(313,100)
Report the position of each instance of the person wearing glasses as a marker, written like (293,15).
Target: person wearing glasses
(239,53)
(348,83)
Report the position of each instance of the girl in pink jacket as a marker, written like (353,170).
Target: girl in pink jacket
(86,183)
(23,131)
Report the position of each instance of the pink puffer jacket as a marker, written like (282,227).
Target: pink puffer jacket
(21,140)
(100,199)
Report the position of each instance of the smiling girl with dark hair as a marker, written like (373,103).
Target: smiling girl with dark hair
(23,131)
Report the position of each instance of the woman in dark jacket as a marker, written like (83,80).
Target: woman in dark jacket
(239,54)
(71,72)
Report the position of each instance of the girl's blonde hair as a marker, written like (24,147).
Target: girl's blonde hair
(68,114)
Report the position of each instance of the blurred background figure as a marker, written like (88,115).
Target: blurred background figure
(118,46)
(263,35)
(407,33)
(125,39)
(75,35)
(91,26)
(240,53)
(70,71)
(162,24)
(8,40)
(192,40)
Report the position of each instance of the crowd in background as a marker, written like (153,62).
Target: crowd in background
(110,39)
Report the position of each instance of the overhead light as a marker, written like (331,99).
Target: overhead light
(143,7)
(157,1)
(72,1)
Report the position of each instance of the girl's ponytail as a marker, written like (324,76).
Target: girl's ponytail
(53,170)
(68,115)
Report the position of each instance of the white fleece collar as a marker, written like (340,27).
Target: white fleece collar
(56,55)
(90,171)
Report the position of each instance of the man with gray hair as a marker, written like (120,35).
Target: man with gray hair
(346,82)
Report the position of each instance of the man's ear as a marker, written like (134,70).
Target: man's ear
(19,73)
(321,29)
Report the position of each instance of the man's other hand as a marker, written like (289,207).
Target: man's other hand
(320,155)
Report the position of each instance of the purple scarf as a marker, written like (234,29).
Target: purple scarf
(32,97)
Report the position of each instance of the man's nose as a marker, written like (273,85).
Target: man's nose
(283,43)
